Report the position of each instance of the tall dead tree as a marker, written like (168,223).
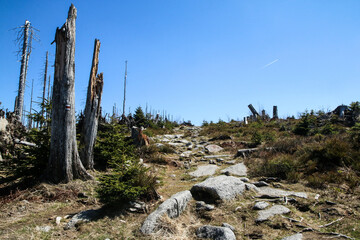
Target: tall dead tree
(44,90)
(31,101)
(123,115)
(92,111)
(20,97)
(64,161)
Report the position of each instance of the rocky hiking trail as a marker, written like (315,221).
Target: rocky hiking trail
(206,193)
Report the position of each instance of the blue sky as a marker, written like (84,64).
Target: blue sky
(198,59)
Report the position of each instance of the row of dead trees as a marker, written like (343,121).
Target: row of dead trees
(65,162)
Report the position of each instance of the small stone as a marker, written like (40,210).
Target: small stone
(274,210)
(244,179)
(261,205)
(173,176)
(43,228)
(201,205)
(228,226)
(216,233)
(261,184)
(58,220)
(317,196)
(211,161)
(220,160)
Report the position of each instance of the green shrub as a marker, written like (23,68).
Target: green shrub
(126,178)
(111,142)
(127,181)
(257,138)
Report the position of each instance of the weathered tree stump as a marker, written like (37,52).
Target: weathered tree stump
(64,161)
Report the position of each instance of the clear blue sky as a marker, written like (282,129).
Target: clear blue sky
(198,59)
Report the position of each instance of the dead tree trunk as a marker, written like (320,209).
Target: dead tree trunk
(92,111)
(44,90)
(64,161)
(20,97)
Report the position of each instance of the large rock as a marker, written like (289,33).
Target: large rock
(274,192)
(239,170)
(218,188)
(173,207)
(212,148)
(268,213)
(84,216)
(205,170)
(261,205)
(216,233)
(297,236)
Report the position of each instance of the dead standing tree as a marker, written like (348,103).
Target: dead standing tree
(92,111)
(64,161)
(25,35)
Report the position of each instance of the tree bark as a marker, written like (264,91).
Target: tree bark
(64,161)
(20,97)
(44,90)
(92,111)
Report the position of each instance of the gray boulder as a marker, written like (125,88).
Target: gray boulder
(205,170)
(212,148)
(274,210)
(84,216)
(173,207)
(215,233)
(297,236)
(239,170)
(218,188)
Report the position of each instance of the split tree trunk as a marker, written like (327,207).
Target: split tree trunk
(64,161)
(20,97)
(92,111)
(44,90)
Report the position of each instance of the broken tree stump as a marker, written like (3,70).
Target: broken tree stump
(92,111)
(64,161)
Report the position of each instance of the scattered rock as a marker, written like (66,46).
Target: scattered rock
(218,188)
(84,216)
(211,161)
(239,170)
(58,220)
(261,205)
(186,154)
(173,207)
(228,226)
(250,186)
(268,192)
(297,236)
(220,160)
(274,210)
(205,170)
(216,233)
(137,207)
(231,162)
(244,179)
(261,184)
(43,228)
(212,148)
(201,205)
(270,179)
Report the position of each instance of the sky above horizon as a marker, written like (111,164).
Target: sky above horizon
(197,60)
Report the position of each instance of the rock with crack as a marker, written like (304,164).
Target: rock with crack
(218,188)
(297,236)
(84,216)
(239,170)
(205,170)
(212,148)
(268,213)
(215,233)
(173,207)
(275,193)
